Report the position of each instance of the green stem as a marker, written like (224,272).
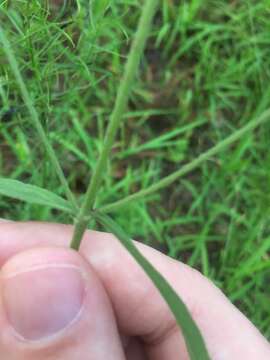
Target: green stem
(188,167)
(131,68)
(35,119)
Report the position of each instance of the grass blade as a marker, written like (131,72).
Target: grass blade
(190,166)
(32,194)
(194,341)
(34,115)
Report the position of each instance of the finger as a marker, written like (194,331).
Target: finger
(228,333)
(53,306)
(134,350)
(139,308)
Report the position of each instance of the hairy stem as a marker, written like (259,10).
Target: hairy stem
(34,116)
(188,167)
(131,67)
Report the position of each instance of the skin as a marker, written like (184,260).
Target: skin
(122,316)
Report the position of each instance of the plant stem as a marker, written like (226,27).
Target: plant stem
(35,119)
(188,167)
(131,67)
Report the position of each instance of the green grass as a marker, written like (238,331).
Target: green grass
(205,74)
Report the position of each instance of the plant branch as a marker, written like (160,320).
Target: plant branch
(188,167)
(34,116)
(131,68)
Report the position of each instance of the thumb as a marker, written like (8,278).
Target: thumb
(53,306)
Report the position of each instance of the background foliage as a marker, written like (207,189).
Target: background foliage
(205,73)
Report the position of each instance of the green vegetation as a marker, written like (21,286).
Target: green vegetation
(205,74)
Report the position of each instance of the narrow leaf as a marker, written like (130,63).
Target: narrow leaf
(187,168)
(6,46)
(32,194)
(194,341)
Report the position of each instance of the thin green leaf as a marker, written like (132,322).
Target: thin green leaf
(185,169)
(34,115)
(194,341)
(32,194)
(99,7)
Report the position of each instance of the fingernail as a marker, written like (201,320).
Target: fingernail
(42,301)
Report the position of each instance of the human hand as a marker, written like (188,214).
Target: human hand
(99,304)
